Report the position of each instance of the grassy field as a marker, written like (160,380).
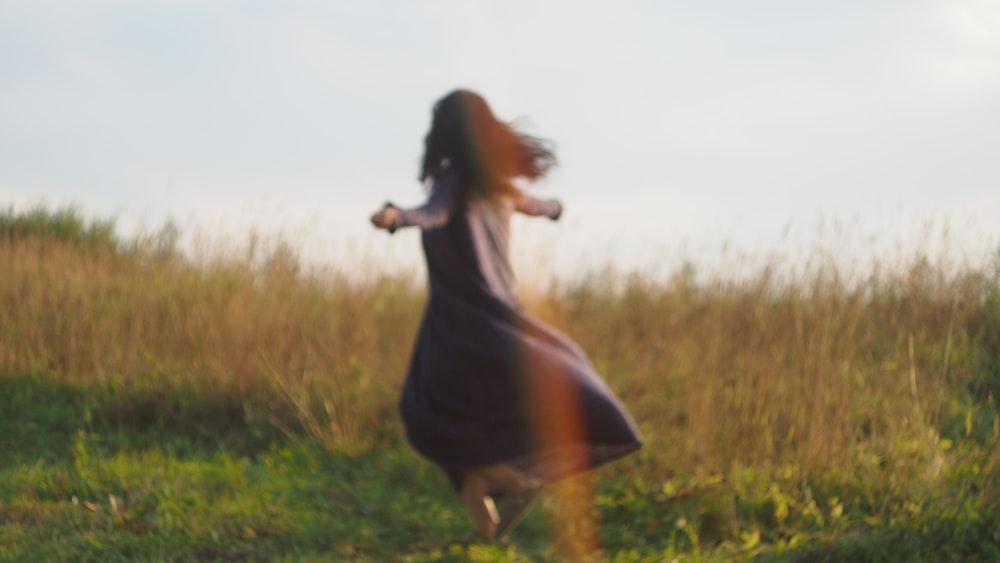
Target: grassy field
(242,407)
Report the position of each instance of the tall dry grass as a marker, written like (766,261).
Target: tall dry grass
(885,373)
(757,370)
(310,351)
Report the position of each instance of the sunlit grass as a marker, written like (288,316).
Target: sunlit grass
(790,410)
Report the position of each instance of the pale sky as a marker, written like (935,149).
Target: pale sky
(682,127)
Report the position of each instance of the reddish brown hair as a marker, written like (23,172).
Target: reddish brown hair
(485,152)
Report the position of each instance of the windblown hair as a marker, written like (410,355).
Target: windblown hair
(486,153)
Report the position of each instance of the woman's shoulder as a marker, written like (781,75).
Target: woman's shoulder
(447,176)
(445,187)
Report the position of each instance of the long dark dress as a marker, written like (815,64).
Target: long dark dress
(483,372)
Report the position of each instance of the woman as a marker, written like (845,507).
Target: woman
(500,401)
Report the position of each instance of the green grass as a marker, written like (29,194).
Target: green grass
(80,481)
(64,224)
(78,484)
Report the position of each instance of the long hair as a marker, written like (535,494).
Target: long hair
(486,153)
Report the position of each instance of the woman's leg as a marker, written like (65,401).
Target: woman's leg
(479,504)
(475,485)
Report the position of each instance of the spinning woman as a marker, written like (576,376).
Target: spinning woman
(501,402)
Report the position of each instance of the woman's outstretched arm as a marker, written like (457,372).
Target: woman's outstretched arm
(534,206)
(431,215)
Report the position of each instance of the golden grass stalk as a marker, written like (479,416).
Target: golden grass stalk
(811,369)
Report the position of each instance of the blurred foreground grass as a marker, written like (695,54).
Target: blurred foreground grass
(243,407)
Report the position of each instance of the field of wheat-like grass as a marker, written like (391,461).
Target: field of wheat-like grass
(784,403)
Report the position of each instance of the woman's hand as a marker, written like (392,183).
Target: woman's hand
(557,213)
(386,218)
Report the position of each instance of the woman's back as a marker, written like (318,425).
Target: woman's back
(471,254)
